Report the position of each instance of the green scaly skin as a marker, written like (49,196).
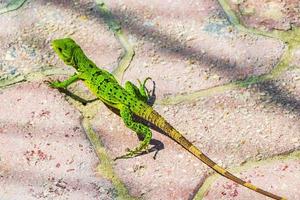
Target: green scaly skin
(130,100)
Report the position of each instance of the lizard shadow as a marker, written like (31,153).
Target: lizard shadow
(76,97)
(152,97)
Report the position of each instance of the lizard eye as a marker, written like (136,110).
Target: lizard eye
(59,49)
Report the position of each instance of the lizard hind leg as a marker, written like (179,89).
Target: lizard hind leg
(143,90)
(140,129)
(140,93)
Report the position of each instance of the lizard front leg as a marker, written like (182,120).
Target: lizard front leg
(139,128)
(63,87)
(66,83)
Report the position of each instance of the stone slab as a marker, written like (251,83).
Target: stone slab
(189,45)
(280,178)
(44,153)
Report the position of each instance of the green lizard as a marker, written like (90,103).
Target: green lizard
(130,100)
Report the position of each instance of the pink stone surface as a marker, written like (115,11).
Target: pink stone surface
(43,149)
(184,46)
(193,49)
(231,128)
(25,42)
(174,174)
(268,14)
(238,125)
(279,178)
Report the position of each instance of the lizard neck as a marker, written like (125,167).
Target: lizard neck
(80,61)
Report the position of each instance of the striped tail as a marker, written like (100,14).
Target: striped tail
(156,119)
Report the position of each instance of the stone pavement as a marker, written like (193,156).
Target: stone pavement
(226,75)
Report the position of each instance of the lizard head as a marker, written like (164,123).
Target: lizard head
(65,49)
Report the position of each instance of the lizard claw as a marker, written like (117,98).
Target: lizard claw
(55,84)
(121,157)
(48,81)
(133,153)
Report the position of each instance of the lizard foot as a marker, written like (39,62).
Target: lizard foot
(53,84)
(133,153)
(142,87)
(56,84)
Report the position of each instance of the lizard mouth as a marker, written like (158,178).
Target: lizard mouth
(52,44)
(57,49)
(54,47)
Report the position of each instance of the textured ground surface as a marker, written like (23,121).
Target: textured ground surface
(44,153)
(226,75)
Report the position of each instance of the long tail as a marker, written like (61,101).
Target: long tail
(156,119)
